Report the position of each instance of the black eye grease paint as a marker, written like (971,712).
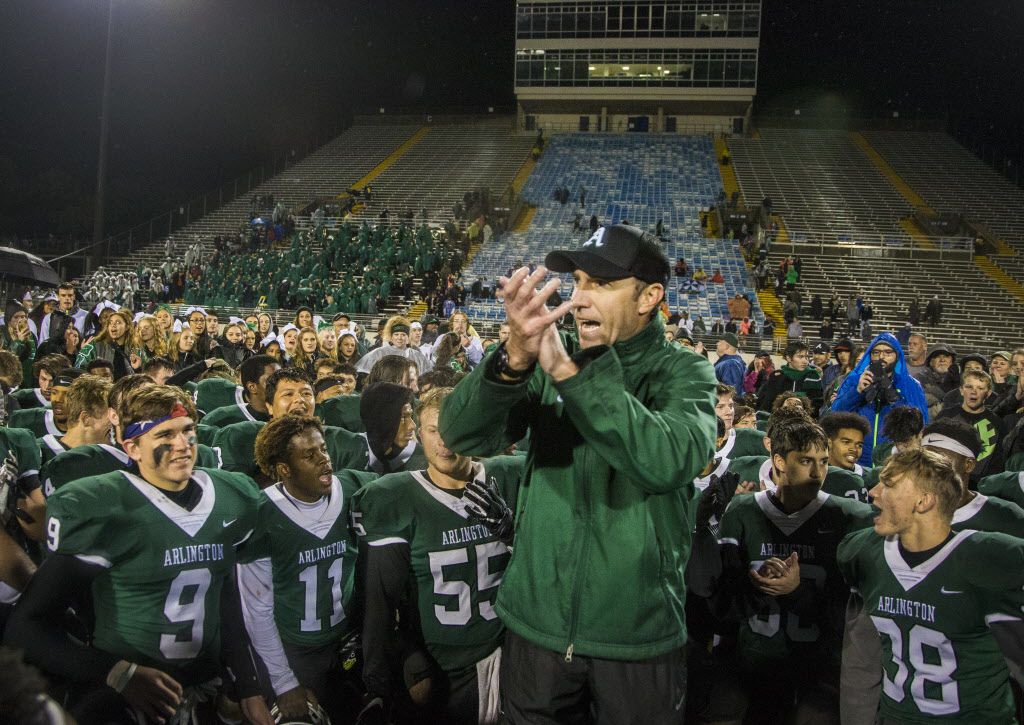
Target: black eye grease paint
(160,453)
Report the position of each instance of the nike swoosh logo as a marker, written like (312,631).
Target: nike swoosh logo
(226,524)
(949,591)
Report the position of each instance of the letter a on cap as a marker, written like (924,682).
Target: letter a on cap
(597,240)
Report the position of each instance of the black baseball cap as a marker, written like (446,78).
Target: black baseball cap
(615,252)
(821,348)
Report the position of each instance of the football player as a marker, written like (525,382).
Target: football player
(157,550)
(297,572)
(443,534)
(780,576)
(947,604)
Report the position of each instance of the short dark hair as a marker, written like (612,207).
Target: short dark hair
(327,362)
(835,422)
(98,362)
(785,395)
(346,369)
(273,442)
(785,416)
(157,363)
(389,369)
(794,347)
(251,369)
(903,423)
(296,375)
(723,389)
(957,429)
(52,364)
(798,435)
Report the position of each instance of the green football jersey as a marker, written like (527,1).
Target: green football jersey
(23,445)
(237,443)
(37,420)
(342,411)
(838,481)
(157,600)
(1008,485)
(206,433)
(214,393)
(742,442)
(759,530)
(311,560)
(939,659)
(233,413)
(97,459)
(50,446)
(456,565)
(990,514)
(30,398)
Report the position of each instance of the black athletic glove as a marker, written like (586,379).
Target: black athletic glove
(374,712)
(714,500)
(486,506)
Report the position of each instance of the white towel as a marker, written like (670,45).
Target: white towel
(487,671)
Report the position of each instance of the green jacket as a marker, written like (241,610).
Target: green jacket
(601,535)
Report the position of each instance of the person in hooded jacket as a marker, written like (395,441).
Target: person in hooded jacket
(879,383)
(941,376)
(231,345)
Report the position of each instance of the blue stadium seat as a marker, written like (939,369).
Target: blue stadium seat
(627,177)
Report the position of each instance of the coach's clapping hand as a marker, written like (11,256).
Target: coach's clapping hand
(527,314)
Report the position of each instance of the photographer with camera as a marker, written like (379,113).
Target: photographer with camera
(880,382)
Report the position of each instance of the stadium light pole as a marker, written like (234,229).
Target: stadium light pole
(101,166)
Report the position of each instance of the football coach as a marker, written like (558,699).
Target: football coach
(593,597)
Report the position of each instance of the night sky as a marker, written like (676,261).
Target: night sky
(205,90)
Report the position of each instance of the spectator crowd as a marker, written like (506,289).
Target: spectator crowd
(224,518)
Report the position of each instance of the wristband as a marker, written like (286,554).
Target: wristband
(502,367)
(121,674)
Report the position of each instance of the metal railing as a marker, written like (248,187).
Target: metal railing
(871,244)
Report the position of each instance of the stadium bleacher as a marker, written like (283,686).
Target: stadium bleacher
(951,179)
(627,177)
(819,181)
(450,159)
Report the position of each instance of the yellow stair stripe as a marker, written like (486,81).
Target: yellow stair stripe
(782,237)
(771,307)
(916,233)
(416,311)
(392,158)
(523,174)
(525,217)
(1004,250)
(912,197)
(729,181)
(997,275)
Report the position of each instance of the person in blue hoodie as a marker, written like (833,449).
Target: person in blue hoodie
(879,383)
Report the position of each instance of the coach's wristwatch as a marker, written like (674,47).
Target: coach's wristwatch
(505,370)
